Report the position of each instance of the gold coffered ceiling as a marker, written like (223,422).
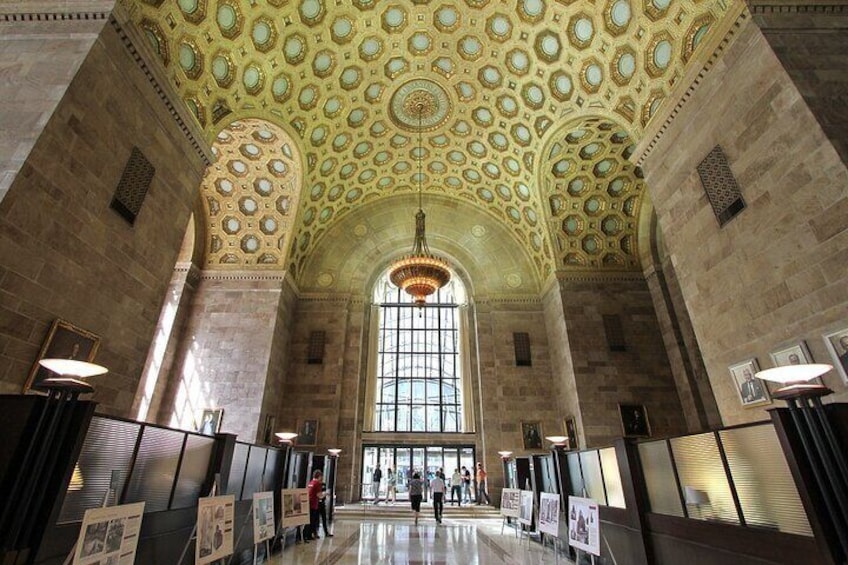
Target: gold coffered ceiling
(508,81)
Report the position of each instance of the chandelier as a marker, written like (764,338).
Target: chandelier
(420,273)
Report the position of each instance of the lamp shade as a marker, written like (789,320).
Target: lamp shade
(72,368)
(505,454)
(794,373)
(286,436)
(557,440)
(334,452)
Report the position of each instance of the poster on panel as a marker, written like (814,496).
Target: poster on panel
(109,536)
(584,525)
(525,516)
(214,528)
(549,514)
(510,502)
(263,516)
(295,505)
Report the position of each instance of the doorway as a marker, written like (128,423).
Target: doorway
(405,460)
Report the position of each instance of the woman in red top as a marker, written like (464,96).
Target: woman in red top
(314,489)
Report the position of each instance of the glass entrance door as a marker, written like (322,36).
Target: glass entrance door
(406,460)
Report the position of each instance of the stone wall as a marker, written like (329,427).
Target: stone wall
(65,253)
(227,352)
(39,59)
(775,274)
(562,366)
(604,378)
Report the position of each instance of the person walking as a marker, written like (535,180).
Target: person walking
(456,488)
(437,487)
(466,484)
(313,490)
(391,485)
(416,492)
(481,485)
(376,477)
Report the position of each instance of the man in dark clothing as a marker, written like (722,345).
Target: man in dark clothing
(376,477)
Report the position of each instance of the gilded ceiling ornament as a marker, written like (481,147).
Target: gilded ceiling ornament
(422,96)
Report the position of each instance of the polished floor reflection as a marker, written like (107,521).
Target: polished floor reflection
(465,541)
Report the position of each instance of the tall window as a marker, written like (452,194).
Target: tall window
(418,365)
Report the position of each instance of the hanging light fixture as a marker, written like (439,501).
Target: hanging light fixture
(420,273)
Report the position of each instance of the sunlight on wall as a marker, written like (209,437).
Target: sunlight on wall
(151,374)
(190,399)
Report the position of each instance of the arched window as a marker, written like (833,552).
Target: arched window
(419,369)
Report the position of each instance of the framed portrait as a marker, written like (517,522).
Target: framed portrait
(837,345)
(571,433)
(531,433)
(268,429)
(307,432)
(210,421)
(634,420)
(795,354)
(751,390)
(63,341)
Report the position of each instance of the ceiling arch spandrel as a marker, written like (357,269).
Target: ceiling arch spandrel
(594,197)
(250,196)
(502,75)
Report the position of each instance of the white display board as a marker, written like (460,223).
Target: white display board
(584,525)
(295,503)
(510,502)
(549,514)
(109,535)
(263,516)
(525,516)
(214,528)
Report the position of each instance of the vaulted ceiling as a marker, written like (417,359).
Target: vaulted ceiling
(531,110)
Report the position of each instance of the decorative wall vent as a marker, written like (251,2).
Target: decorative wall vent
(133,186)
(522,349)
(615,333)
(721,186)
(315,356)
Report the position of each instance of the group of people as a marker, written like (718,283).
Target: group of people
(460,486)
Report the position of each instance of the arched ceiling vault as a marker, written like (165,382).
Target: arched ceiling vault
(499,78)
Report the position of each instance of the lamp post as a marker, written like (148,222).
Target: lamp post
(817,437)
(286,438)
(558,446)
(331,488)
(63,391)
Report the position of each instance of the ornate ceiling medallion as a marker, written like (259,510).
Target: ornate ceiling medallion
(420,101)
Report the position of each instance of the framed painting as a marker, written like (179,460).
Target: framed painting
(210,421)
(795,354)
(571,433)
(63,341)
(837,346)
(531,432)
(751,390)
(634,420)
(307,432)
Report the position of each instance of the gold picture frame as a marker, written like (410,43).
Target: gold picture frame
(64,341)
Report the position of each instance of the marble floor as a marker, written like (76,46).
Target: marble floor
(383,541)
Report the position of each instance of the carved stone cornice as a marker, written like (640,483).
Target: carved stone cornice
(216,275)
(703,60)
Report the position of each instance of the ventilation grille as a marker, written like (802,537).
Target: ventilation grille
(615,333)
(315,356)
(522,349)
(721,186)
(133,186)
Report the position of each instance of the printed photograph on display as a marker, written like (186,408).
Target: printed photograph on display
(751,390)
(837,346)
(263,516)
(109,536)
(510,502)
(307,433)
(210,421)
(531,432)
(295,504)
(634,420)
(549,514)
(584,525)
(63,341)
(526,514)
(214,528)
